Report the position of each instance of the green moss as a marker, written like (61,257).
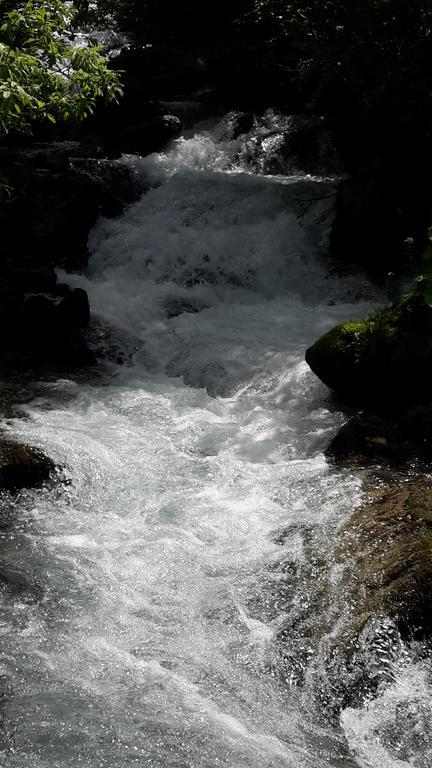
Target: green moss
(384,359)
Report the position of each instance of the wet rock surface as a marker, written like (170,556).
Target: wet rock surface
(365,438)
(366,592)
(22,466)
(285,144)
(389,544)
(371,439)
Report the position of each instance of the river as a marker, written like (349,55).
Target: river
(146,595)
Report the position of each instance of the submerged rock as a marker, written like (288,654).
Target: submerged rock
(385,360)
(176,305)
(22,466)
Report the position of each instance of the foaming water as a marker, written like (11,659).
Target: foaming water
(144,597)
(395,730)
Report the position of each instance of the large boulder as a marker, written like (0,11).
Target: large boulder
(385,360)
(22,466)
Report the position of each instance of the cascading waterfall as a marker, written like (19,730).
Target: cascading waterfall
(144,597)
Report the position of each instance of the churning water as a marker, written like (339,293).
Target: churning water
(144,600)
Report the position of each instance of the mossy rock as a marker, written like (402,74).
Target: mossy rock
(385,360)
(22,466)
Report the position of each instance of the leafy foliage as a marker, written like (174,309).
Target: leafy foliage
(368,51)
(422,283)
(44,75)
(340,55)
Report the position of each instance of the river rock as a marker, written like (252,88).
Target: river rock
(384,360)
(151,136)
(238,123)
(286,144)
(388,545)
(176,305)
(365,589)
(22,466)
(365,438)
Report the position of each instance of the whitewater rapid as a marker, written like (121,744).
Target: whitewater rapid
(145,593)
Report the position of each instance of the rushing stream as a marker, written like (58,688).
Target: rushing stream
(145,596)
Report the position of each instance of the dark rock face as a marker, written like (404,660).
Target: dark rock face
(22,466)
(384,361)
(239,123)
(286,144)
(368,438)
(38,334)
(365,438)
(54,204)
(151,136)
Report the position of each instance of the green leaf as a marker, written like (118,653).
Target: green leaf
(41,74)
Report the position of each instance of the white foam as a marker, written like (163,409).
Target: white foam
(148,646)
